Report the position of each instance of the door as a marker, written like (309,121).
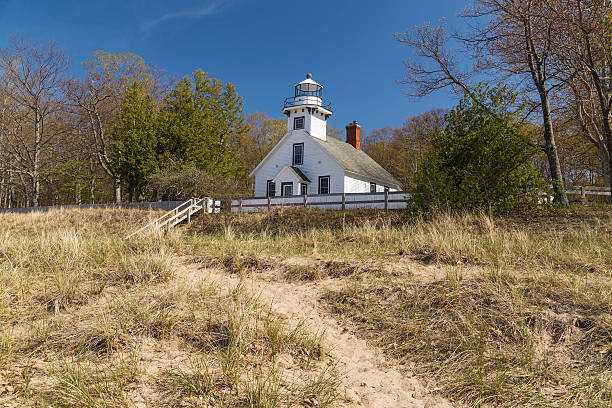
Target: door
(287,189)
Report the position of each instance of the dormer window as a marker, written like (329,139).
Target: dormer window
(298,154)
(298,122)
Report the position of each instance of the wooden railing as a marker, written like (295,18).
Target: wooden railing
(393,200)
(183,212)
(585,191)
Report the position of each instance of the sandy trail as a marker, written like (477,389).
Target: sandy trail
(368,379)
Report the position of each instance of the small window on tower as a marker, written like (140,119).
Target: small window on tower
(298,122)
(372,187)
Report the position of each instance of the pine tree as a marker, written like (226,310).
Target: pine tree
(135,140)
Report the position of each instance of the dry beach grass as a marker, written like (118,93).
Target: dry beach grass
(90,320)
(228,311)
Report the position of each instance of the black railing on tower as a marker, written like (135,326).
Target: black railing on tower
(305,100)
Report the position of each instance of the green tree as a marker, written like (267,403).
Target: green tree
(199,125)
(480,160)
(135,140)
(199,121)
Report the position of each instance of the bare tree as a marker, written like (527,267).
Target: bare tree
(98,97)
(509,38)
(584,50)
(31,76)
(95,101)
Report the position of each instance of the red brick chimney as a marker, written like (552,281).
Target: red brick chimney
(353,133)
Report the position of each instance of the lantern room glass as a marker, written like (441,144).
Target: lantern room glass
(309,90)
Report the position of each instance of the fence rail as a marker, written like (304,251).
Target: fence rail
(395,200)
(585,191)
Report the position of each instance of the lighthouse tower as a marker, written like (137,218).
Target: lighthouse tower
(307,110)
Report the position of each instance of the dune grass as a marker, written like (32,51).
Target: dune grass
(518,313)
(78,303)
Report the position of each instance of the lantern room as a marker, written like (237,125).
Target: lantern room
(307,110)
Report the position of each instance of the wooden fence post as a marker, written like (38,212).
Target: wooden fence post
(386,200)
(583,194)
(343,201)
(305,201)
(240,205)
(269,203)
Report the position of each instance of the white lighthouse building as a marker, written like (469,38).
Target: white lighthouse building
(306,161)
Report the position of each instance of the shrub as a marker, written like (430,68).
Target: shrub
(480,161)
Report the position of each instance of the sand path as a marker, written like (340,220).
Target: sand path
(369,380)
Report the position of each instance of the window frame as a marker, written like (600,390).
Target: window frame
(303,189)
(268,183)
(321,178)
(373,187)
(294,161)
(286,184)
(295,120)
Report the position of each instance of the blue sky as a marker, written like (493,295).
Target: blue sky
(262,46)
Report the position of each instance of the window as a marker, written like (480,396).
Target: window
(298,122)
(287,189)
(304,188)
(323,184)
(298,154)
(271,189)
(372,187)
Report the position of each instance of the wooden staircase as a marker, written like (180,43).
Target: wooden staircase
(183,212)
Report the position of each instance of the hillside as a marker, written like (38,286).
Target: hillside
(306,308)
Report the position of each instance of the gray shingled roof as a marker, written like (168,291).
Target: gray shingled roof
(358,162)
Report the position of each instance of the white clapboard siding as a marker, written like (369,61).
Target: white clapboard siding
(316,163)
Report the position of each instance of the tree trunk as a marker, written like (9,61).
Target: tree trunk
(606,150)
(36,169)
(11,192)
(117,191)
(92,182)
(77,193)
(550,148)
(606,166)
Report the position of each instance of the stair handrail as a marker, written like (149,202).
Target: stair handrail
(158,221)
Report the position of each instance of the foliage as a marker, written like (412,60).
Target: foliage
(198,121)
(480,160)
(115,73)
(401,150)
(134,158)
(182,180)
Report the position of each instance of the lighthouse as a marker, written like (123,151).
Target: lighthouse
(305,162)
(307,110)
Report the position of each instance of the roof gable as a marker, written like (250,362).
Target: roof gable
(271,152)
(297,173)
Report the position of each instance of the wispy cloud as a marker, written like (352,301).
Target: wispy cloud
(209,7)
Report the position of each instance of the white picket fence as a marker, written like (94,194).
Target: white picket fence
(396,200)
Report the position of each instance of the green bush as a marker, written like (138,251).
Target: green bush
(480,161)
